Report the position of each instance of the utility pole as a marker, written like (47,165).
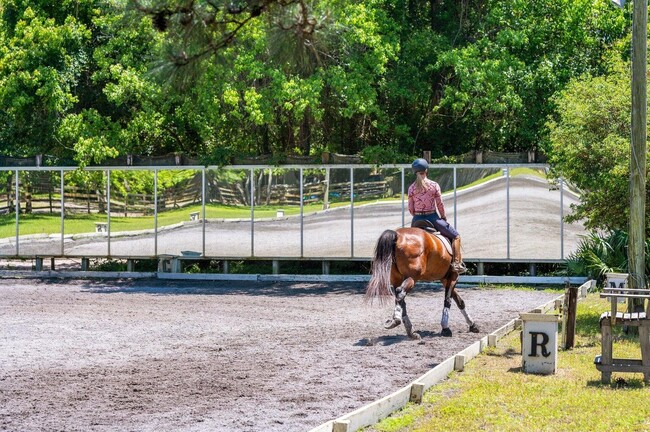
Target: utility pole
(636,239)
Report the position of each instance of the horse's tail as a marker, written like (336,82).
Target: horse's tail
(379,285)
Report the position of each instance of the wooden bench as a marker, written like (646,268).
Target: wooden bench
(605,362)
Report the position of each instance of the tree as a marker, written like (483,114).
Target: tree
(589,146)
(86,80)
(499,83)
(41,60)
(320,93)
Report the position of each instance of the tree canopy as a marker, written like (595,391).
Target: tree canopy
(589,144)
(87,80)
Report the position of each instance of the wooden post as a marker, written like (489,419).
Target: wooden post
(606,349)
(341,426)
(459,362)
(636,242)
(571,313)
(417,391)
(644,337)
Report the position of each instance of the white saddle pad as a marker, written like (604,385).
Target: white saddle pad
(445,241)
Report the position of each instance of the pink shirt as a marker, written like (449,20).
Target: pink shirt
(427,201)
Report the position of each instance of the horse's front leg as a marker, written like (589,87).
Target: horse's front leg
(449,283)
(444,321)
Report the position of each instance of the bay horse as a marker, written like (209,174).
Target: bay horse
(405,256)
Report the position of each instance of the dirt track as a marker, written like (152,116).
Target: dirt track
(218,356)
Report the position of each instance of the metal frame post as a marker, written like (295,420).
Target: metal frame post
(403,207)
(203,210)
(17,208)
(302,215)
(108,209)
(508,211)
(561,218)
(62,213)
(252,194)
(455,202)
(352,212)
(155,211)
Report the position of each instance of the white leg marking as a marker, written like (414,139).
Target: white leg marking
(445,318)
(397,314)
(468,319)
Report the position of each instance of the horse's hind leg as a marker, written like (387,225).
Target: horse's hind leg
(407,322)
(461,305)
(400,307)
(397,316)
(400,316)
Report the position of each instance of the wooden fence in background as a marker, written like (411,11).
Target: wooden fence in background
(77,200)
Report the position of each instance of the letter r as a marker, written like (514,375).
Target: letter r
(534,343)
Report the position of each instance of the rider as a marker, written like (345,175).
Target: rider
(425,203)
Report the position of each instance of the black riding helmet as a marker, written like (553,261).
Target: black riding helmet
(419,165)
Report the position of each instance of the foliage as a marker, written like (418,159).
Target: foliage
(383,154)
(173,178)
(600,253)
(136,182)
(89,80)
(589,145)
(500,86)
(41,61)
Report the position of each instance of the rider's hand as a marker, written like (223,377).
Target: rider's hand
(444,218)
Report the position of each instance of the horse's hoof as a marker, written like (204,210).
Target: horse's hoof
(474,328)
(446,332)
(415,336)
(392,323)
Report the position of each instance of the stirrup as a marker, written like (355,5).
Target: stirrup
(459,267)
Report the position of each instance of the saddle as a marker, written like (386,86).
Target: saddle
(431,230)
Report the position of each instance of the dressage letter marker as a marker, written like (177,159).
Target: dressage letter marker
(539,343)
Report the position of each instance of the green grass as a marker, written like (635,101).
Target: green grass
(514,172)
(493,394)
(84,223)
